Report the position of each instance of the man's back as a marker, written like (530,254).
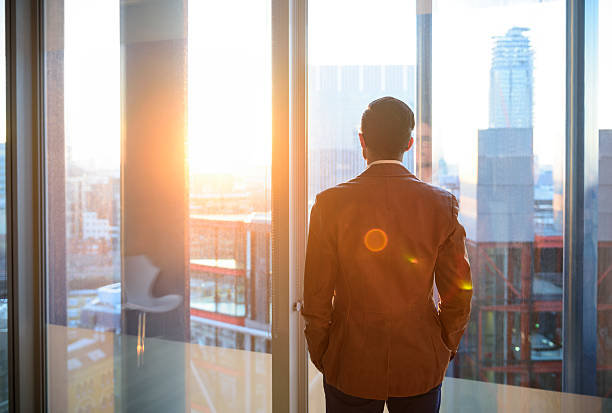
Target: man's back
(377,241)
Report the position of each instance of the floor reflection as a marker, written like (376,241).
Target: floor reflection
(102,376)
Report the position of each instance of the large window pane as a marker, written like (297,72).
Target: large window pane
(348,67)
(604,274)
(358,51)
(498,144)
(498,135)
(158,171)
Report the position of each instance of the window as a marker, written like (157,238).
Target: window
(357,52)
(498,135)
(158,145)
(604,253)
(158,141)
(348,67)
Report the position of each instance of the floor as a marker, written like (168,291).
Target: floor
(93,371)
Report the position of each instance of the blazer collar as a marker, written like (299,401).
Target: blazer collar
(384,161)
(386,169)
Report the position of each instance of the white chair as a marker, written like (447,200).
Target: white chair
(140,275)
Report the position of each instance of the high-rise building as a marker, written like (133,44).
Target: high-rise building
(230,280)
(337,98)
(511,89)
(515,333)
(499,203)
(503,205)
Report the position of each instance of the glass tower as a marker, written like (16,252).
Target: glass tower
(511,93)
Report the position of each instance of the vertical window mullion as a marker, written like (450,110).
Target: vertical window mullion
(298,193)
(423,145)
(282,379)
(25,206)
(580,221)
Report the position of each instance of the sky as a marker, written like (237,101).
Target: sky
(229,85)
(229,62)
(461,68)
(353,32)
(92,88)
(465,44)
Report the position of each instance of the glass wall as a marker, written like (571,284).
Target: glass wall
(158,133)
(498,132)
(348,67)
(358,51)
(604,265)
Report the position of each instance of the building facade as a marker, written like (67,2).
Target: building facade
(338,95)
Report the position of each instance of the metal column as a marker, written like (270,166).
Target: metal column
(423,88)
(581,179)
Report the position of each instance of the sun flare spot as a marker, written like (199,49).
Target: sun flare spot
(375,240)
(466,286)
(411,259)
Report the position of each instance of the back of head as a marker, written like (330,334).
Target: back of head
(386,125)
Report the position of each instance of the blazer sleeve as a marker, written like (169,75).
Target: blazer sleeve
(454,281)
(320,273)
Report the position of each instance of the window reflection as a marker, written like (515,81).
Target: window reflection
(604,227)
(158,154)
(503,153)
(348,67)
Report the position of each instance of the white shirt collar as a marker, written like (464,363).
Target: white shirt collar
(385,161)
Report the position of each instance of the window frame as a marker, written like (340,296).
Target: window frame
(25,177)
(580,241)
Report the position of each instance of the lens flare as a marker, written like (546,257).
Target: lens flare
(466,286)
(411,259)
(375,240)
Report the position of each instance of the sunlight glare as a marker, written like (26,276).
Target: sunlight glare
(229,86)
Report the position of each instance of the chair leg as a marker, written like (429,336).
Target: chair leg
(142,327)
(144,330)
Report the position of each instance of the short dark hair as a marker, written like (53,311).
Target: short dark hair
(386,125)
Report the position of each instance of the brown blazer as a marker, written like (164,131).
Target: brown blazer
(374,245)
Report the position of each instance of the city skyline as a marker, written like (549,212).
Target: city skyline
(502,173)
(510,336)
(96,50)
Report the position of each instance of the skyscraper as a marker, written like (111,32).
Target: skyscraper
(502,198)
(511,90)
(516,315)
(337,98)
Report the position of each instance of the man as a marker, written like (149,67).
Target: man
(374,246)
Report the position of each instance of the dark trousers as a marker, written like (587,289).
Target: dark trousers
(338,402)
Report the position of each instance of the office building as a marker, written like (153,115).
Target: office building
(338,97)
(511,81)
